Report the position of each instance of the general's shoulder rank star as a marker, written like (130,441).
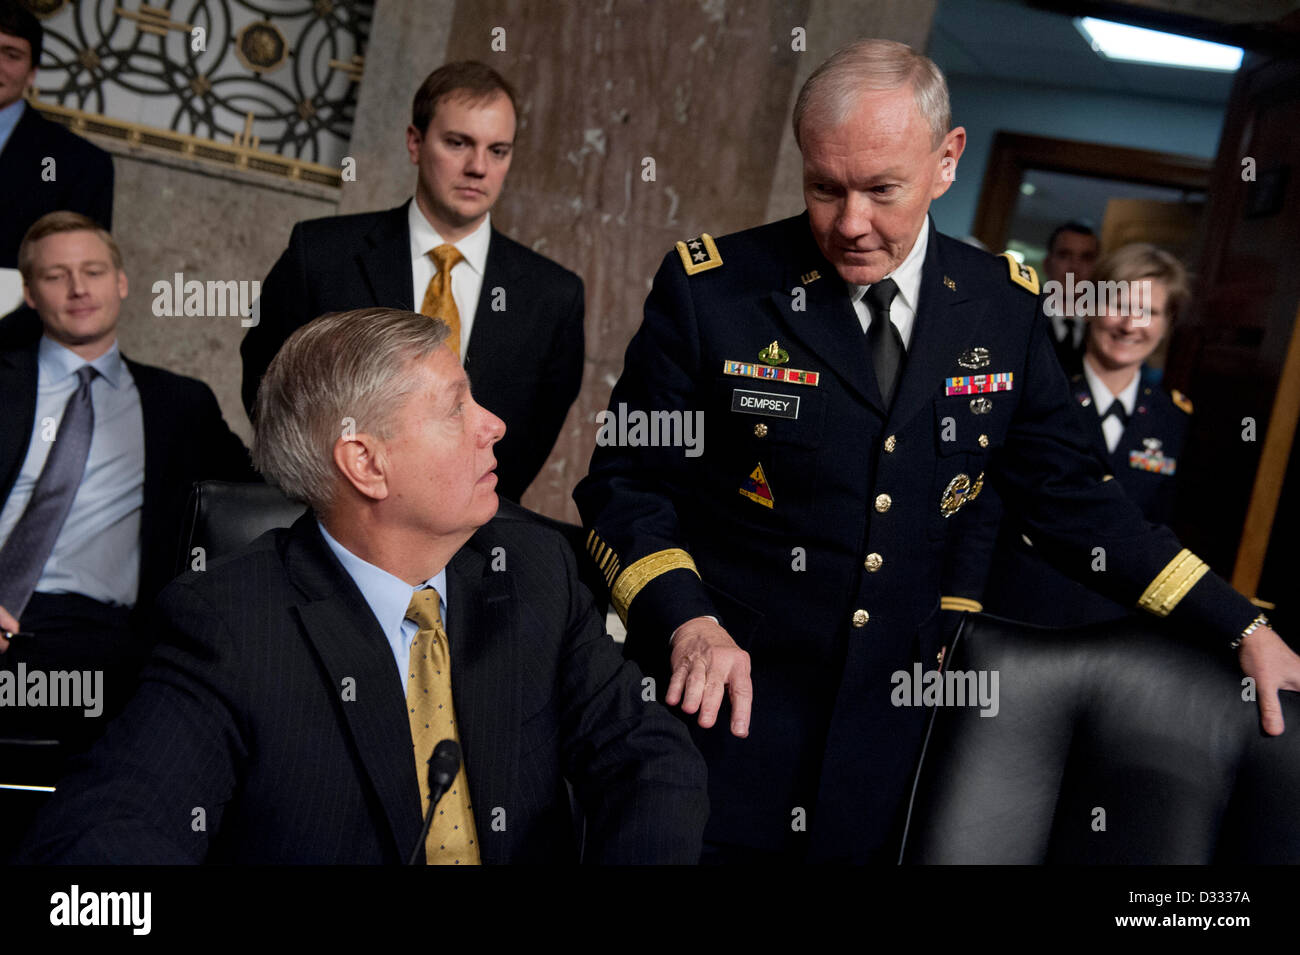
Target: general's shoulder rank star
(699,254)
(1022,275)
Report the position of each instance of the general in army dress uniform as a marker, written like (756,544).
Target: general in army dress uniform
(816,522)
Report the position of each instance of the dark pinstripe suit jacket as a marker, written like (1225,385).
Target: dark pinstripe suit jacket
(272,714)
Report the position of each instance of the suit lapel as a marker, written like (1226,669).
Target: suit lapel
(19,376)
(158,417)
(946,321)
(826,324)
(491,333)
(353,651)
(386,263)
(482,630)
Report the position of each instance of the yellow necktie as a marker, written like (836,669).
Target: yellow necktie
(438,302)
(452,839)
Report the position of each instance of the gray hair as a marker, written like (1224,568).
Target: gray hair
(833,89)
(346,370)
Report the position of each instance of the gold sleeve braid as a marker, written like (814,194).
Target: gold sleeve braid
(633,580)
(604,557)
(1172,583)
(960,603)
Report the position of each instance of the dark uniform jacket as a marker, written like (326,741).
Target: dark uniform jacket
(525,351)
(817,527)
(242,712)
(1024,586)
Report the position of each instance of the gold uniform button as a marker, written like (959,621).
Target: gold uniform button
(984,440)
(938,657)
(873,562)
(860,618)
(760,430)
(883,501)
(891,442)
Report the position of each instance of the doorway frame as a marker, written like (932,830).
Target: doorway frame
(1014,154)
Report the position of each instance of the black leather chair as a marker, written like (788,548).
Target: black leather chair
(223,516)
(1120,724)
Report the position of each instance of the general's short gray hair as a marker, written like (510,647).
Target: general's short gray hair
(344,370)
(832,90)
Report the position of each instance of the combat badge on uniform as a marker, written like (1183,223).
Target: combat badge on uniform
(1022,275)
(977,357)
(1152,459)
(774,354)
(959,492)
(699,254)
(756,487)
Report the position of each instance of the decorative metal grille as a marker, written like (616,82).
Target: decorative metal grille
(280,75)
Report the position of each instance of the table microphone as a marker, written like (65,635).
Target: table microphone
(444,764)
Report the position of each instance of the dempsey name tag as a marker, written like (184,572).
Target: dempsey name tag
(765,403)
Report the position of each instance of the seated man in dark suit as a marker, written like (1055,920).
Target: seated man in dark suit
(289,712)
(515,316)
(44,166)
(97,457)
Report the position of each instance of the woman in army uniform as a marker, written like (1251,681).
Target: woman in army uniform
(1133,424)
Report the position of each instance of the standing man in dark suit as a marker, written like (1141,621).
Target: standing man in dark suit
(862,378)
(43,166)
(1072,251)
(515,316)
(305,680)
(97,456)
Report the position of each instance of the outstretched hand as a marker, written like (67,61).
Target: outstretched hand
(706,663)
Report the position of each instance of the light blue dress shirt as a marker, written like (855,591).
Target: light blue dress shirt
(97,552)
(388,597)
(9,117)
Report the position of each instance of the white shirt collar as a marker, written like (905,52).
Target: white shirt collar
(387,596)
(1101,396)
(908,274)
(425,238)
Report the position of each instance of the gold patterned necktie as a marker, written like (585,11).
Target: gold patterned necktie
(452,838)
(438,302)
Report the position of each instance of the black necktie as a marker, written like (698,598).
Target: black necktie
(1067,338)
(884,343)
(1117,409)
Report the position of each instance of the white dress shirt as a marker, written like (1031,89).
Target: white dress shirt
(902,311)
(1058,328)
(1111,427)
(466,275)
